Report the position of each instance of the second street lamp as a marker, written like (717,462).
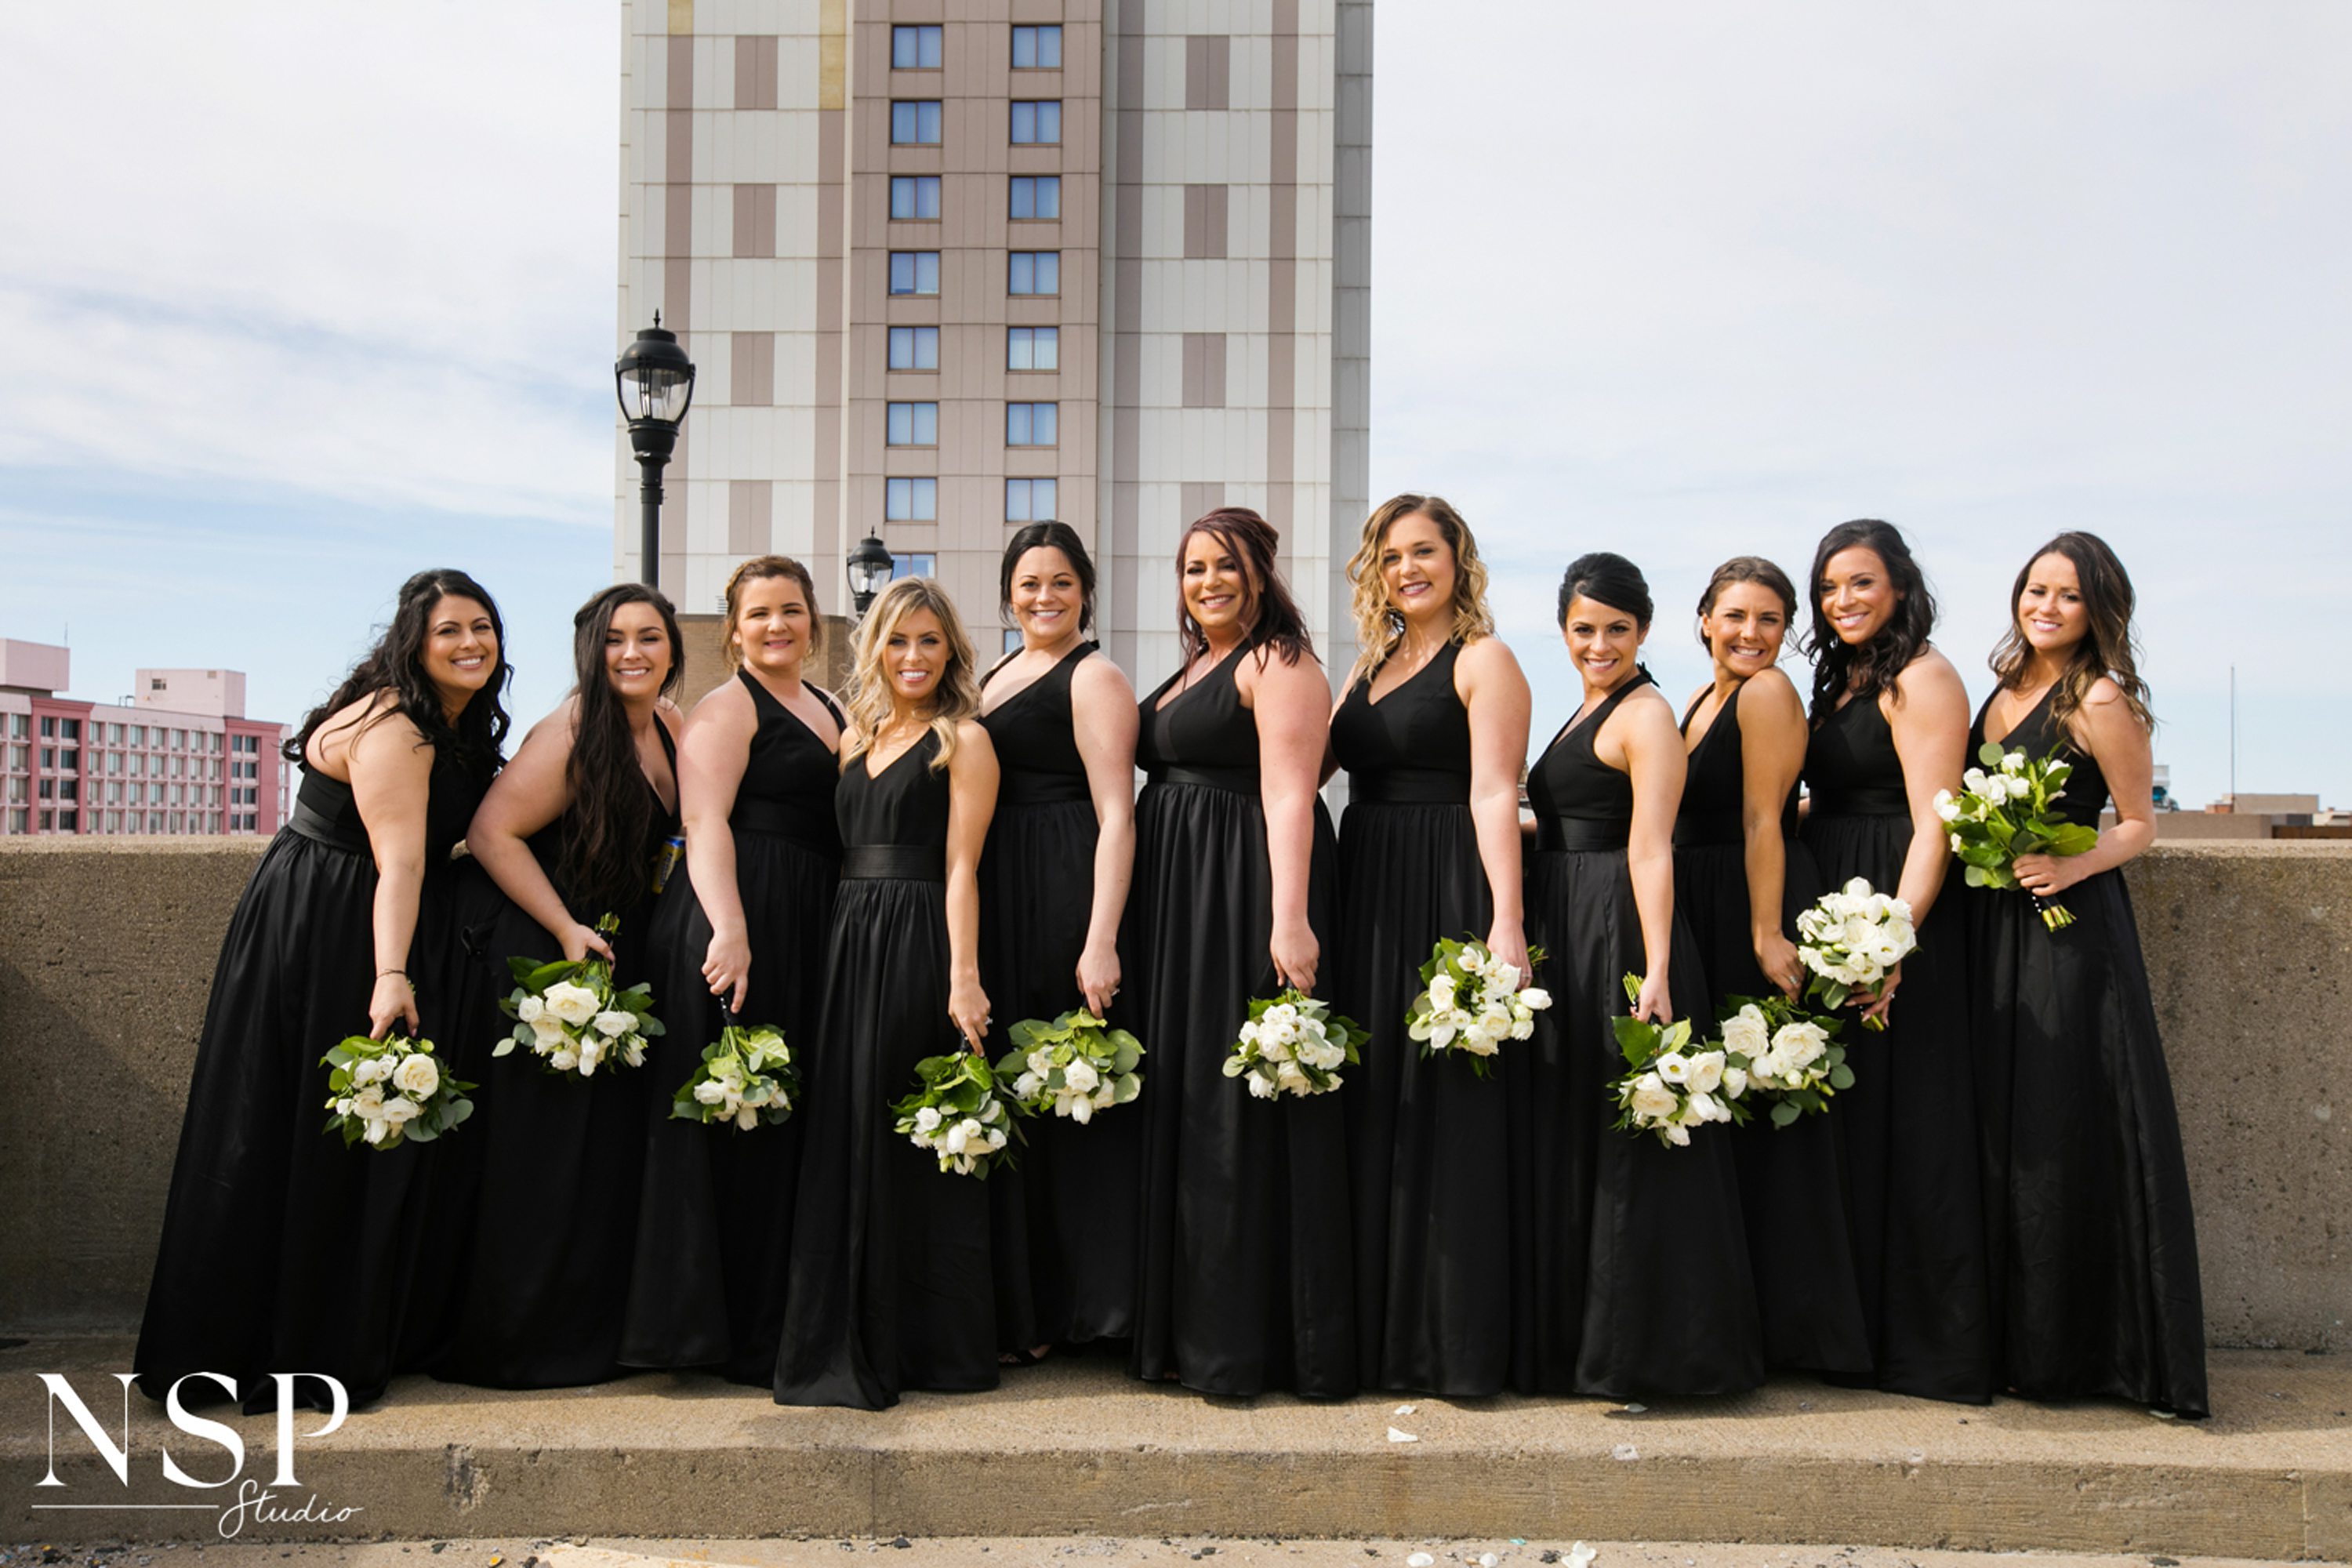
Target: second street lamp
(655,381)
(869,568)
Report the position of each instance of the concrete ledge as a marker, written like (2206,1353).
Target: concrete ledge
(1075,1449)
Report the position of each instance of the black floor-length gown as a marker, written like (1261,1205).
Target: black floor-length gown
(1244,1282)
(1908,1125)
(891,1286)
(558,1158)
(1790,1186)
(2095,1246)
(1629,1261)
(1064,1230)
(1432,1212)
(284,1250)
(714,1226)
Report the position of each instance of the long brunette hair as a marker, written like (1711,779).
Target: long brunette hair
(612,811)
(1873,668)
(396,664)
(1253,541)
(2110,648)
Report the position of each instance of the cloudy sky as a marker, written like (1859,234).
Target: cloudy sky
(303,295)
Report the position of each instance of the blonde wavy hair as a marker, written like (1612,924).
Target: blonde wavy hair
(866,701)
(1379,622)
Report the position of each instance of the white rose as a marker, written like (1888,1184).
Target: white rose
(564,1060)
(1746,1032)
(1081,1078)
(1440,992)
(927,1119)
(1735,1082)
(417,1077)
(1707,1071)
(710,1091)
(1798,1044)
(547,1034)
(570,1002)
(1524,1027)
(614,1022)
(1652,1099)
(400,1108)
(1673,1067)
(530,1009)
(369,1103)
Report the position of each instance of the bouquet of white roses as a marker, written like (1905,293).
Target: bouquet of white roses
(1471,1002)
(390,1091)
(1073,1067)
(572,1017)
(1849,938)
(1292,1043)
(2005,813)
(957,1114)
(1794,1057)
(1667,1087)
(745,1078)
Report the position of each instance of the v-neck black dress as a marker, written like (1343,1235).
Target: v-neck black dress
(1244,1282)
(1065,1219)
(714,1227)
(1791,1190)
(553,1219)
(1432,1220)
(2095,1246)
(1629,1260)
(890,1284)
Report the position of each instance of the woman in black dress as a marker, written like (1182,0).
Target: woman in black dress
(2094,1248)
(1053,890)
(1889,718)
(574,829)
(351,901)
(891,1282)
(1432,732)
(740,928)
(1630,1272)
(1741,875)
(1244,1281)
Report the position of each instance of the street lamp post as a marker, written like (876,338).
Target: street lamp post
(869,568)
(654,381)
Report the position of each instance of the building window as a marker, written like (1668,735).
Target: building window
(925,565)
(1036,48)
(1034,272)
(915,122)
(914,425)
(910,501)
(1033,348)
(70,730)
(913,272)
(918,48)
(1029,501)
(16,726)
(48,727)
(1038,120)
(914,195)
(914,348)
(1030,424)
(1036,197)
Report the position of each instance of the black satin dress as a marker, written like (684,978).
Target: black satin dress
(1065,1220)
(1432,1221)
(1630,1274)
(559,1159)
(2094,1247)
(714,1226)
(891,1286)
(1791,1188)
(282,1249)
(1244,1281)
(1908,1125)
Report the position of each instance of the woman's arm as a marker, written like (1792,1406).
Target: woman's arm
(710,763)
(529,792)
(1292,703)
(2118,742)
(1772,737)
(1103,713)
(391,764)
(972,802)
(1930,726)
(1651,747)
(1494,690)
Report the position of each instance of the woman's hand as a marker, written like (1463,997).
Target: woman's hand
(580,941)
(2047,876)
(1776,955)
(1654,1003)
(1098,977)
(968,1010)
(726,967)
(393,1001)
(1876,1003)
(1507,940)
(1295,953)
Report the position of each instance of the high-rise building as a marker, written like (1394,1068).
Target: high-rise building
(949,265)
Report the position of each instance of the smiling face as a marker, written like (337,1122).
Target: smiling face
(1744,627)
(1217,590)
(1417,569)
(772,626)
(1048,600)
(637,652)
(1604,641)
(915,658)
(2052,614)
(461,648)
(1856,594)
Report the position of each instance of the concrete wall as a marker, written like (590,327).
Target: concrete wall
(107,949)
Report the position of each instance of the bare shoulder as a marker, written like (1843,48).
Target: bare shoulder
(1770,695)
(972,735)
(1487,659)
(724,704)
(2104,694)
(1099,677)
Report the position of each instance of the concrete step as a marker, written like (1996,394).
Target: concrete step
(1075,1448)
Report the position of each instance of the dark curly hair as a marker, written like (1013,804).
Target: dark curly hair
(1873,666)
(612,811)
(396,664)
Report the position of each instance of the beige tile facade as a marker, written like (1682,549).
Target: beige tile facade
(1211,254)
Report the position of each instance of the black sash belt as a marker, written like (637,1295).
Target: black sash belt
(1694,829)
(1572,833)
(894,862)
(320,829)
(1241,781)
(1408,786)
(1021,787)
(784,821)
(1861,803)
